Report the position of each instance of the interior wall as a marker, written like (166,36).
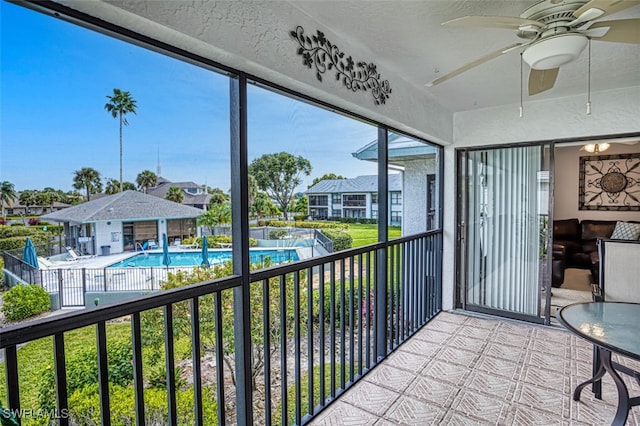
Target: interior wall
(567,164)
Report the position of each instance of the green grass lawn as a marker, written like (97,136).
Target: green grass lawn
(368,234)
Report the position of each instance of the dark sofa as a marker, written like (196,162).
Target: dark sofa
(579,240)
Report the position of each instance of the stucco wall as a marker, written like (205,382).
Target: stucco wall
(414,197)
(104,234)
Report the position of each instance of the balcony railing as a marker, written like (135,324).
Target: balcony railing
(317,327)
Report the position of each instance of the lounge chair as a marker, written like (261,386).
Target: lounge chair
(151,244)
(73,255)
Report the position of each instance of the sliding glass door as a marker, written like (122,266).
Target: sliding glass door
(504,216)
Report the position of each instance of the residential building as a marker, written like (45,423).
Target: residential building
(124,222)
(194,195)
(355,198)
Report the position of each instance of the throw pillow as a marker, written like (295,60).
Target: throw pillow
(626,231)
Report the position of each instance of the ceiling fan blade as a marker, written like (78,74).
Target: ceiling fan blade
(506,22)
(606,6)
(479,61)
(542,80)
(620,31)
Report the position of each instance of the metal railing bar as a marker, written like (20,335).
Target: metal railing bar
(359,311)
(296,337)
(310,338)
(283,345)
(11,375)
(32,330)
(138,379)
(321,334)
(343,326)
(391,289)
(60,376)
(103,373)
(266,325)
(351,317)
(170,368)
(195,355)
(217,314)
(332,326)
(368,312)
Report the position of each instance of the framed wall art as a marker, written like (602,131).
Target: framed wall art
(609,182)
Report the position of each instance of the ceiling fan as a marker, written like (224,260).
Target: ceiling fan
(555,33)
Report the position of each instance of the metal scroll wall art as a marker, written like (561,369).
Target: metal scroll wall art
(610,182)
(319,53)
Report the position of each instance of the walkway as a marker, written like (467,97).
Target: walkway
(463,370)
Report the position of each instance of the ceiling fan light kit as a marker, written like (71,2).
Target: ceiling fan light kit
(554,33)
(554,51)
(596,147)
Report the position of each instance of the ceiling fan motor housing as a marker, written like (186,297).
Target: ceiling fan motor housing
(552,52)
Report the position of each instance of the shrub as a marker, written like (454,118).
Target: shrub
(341,240)
(277,234)
(3,221)
(82,371)
(84,406)
(34,221)
(24,301)
(17,224)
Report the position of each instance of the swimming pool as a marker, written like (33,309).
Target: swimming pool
(194,258)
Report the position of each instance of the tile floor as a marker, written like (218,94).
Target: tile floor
(470,370)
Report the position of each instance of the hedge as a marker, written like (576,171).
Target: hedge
(24,301)
(13,243)
(341,240)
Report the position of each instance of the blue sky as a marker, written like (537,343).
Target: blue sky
(55,77)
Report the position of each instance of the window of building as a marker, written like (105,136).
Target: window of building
(396,198)
(354,200)
(336,213)
(396,218)
(336,198)
(318,200)
(374,198)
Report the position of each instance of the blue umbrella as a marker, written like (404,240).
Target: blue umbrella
(29,254)
(205,252)
(166,260)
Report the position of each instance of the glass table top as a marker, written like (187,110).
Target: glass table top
(613,325)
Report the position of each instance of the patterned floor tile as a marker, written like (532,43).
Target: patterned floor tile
(421,347)
(509,353)
(509,338)
(370,397)
(410,411)
(467,343)
(492,385)
(548,379)
(450,373)
(454,418)
(433,391)
(481,407)
(406,360)
(552,401)
(458,356)
(390,377)
(500,367)
(465,370)
(452,317)
(432,336)
(342,414)
(520,415)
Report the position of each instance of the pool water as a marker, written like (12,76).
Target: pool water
(194,258)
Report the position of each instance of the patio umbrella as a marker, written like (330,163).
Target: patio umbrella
(205,252)
(29,254)
(166,260)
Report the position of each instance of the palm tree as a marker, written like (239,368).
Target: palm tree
(146,179)
(174,194)
(87,179)
(7,195)
(119,105)
(112,186)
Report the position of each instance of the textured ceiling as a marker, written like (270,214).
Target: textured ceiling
(406,37)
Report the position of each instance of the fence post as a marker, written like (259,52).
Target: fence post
(60,292)
(84,284)
(104,279)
